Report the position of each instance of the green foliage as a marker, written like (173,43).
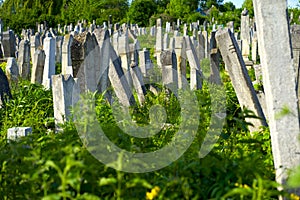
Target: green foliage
(248,4)
(57,166)
(31,106)
(25,14)
(140,11)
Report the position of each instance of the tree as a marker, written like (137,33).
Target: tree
(248,4)
(207,4)
(140,11)
(181,9)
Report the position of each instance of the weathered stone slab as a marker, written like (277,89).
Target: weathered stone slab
(195,69)
(180,50)
(9,44)
(145,63)
(279,84)
(138,82)
(17,132)
(58,52)
(38,66)
(35,42)
(49,68)
(239,76)
(215,77)
(84,54)
(5,94)
(169,69)
(66,66)
(24,59)
(245,34)
(63,96)
(12,70)
(119,81)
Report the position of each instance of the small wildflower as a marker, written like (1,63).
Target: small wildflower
(245,186)
(294,197)
(154,193)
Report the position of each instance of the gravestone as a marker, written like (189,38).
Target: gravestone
(58,52)
(159,41)
(254,48)
(166,41)
(279,84)
(145,63)
(35,42)
(12,70)
(103,39)
(119,81)
(169,70)
(206,44)
(195,70)
(66,64)
(5,94)
(9,44)
(64,91)
(215,77)
(180,51)
(245,34)
(240,79)
(138,82)
(49,67)
(38,66)
(84,55)
(201,47)
(17,132)
(24,59)
(295,34)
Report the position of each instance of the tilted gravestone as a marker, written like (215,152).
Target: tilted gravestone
(9,44)
(138,82)
(38,66)
(5,94)
(239,76)
(279,84)
(295,34)
(12,70)
(119,81)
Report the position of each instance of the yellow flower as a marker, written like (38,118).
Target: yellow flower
(149,196)
(246,186)
(295,197)
(154,192)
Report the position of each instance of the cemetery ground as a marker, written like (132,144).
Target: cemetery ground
(49,165)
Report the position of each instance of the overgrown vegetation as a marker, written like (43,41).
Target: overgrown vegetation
(58,166)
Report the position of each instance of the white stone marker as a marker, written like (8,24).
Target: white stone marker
(17,132)
(279,84)
(49,68)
